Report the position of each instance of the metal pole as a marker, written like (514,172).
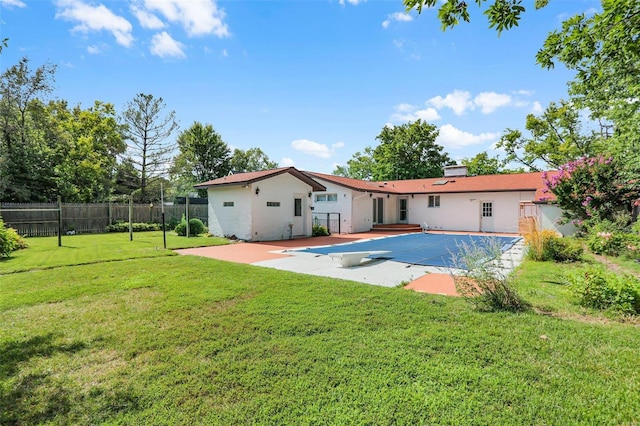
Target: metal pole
(328,225)
(164,230)
(59,221)
(187,215)
(131,217)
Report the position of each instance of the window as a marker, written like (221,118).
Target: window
(434,201)
(297,207)
(227,204)
(487,209)
(321,198)
(273,203)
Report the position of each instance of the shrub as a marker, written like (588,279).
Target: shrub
(598,288)
(196,227)
(484,281)
(562,249)
(547,245)
(9,240)
(609,243)
(137,227)
(319,231)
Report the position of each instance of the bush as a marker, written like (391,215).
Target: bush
(599,288)
(609,243)
(547,245)
(484,281)
(9,241)
(137,227)
(196,227)
(319,231)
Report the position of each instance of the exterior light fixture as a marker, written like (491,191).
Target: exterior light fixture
(258,190)
(370,195)
(309,194)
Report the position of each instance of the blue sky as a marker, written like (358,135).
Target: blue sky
(309,82)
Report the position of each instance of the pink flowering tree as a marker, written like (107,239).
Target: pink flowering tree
(592,188)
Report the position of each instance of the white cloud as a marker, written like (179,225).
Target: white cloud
(287,162)
(398,42)
(337,145)
(537,108)
(147,20)
(524,92)
(225,53)
(9,4)
(197,17)
(163,45)
(453,138)
(490,101)
(353,2)
(398,17)
(94,50)
(459,101)
(95,18)
(408,112)
(312,148)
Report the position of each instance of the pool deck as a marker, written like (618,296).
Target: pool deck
(387,273)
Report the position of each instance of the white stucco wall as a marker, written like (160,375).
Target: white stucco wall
(550,216)
(343,204)
(228,221)
(461,212)
(272,223)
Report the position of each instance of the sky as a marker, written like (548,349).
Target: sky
(310,82)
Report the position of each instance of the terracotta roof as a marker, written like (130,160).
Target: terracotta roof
(485,183)
(251,177)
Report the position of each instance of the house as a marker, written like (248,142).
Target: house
(261,206)
(455,202)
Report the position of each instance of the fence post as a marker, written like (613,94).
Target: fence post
(328,224)
(187,215)
(59,221)
(130,217)
(110,214)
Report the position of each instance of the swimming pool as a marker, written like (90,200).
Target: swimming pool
(419,249)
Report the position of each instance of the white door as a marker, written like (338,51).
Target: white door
(486,216)
(403,210)
(378,210)
(298,215)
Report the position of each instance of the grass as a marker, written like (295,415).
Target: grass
(88,248)
(182,340)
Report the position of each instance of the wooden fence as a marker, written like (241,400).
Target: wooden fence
(88,218)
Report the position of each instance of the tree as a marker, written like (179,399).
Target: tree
(603,50)
(25,174)
(251,160)
(501,14)
(592,188)
(360,166)
(482,164)
(203,156)
(88,157)
(556,138)
(147,130)
(409,151)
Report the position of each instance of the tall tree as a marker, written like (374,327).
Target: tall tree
(482,164)
(603,50)
(89,156)
(409,151)
(147,131)
(555,138)
(22,146)
(203,156)
(251,160)
(360,166)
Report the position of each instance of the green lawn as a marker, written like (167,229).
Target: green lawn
(187,340)
(87,248)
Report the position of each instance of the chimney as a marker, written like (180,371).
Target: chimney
(455,171)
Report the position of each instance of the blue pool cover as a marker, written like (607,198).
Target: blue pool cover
(419,249)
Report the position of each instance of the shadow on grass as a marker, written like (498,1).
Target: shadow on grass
(32,398)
